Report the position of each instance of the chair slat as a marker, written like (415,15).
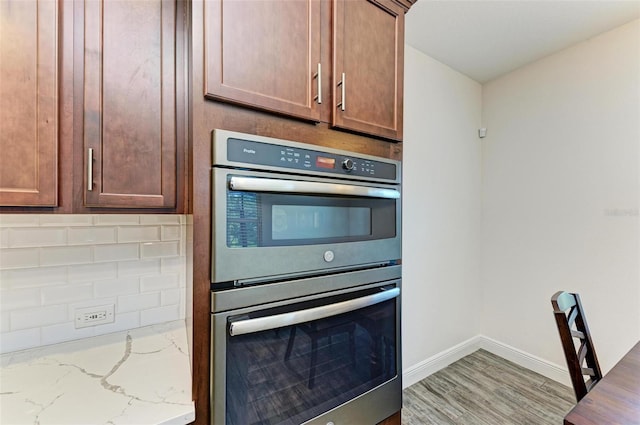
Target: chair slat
(582,352)
(571,318)
(568,312)
(577,334)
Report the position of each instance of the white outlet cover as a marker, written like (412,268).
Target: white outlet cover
(93,316)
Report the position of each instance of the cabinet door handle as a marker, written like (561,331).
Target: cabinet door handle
(342,83)
(90,169)
(318,76)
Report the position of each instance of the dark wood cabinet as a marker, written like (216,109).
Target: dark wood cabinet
(265,54)
(280,56)
(29,103)
(368,58)
(392,420)
(129,108)
(93,105)
(248,116)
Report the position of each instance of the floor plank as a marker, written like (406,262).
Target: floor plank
(484,389)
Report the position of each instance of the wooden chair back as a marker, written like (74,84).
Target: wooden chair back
(576,341)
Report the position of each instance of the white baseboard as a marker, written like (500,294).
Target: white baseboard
(417,372)
(543,367)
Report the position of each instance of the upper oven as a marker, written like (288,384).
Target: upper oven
(286,209)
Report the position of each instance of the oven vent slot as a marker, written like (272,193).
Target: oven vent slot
(291,276)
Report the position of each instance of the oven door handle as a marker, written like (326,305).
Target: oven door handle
(260,324)
(255,184)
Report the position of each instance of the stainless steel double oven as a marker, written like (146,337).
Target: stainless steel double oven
(306,281)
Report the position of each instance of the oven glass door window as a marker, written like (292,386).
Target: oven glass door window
(291,374)
(269,219)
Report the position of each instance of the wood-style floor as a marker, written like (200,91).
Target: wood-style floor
(484,389)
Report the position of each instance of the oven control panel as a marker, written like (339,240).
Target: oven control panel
(297,158)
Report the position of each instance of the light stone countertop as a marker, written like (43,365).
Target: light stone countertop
(136,377)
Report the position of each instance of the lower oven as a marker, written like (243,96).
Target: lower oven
(308,351)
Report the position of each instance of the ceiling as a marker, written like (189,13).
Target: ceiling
(485,39)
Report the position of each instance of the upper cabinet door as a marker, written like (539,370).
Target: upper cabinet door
(129,108)
(368,66)
(28,103)
(265,54)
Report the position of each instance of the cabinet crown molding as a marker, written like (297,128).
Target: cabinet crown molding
(405,4)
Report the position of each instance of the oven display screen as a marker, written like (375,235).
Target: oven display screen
(318,222)
(323,162)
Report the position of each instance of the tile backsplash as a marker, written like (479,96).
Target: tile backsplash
(52,264)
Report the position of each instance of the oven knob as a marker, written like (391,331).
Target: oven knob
(347,164)
(328,256)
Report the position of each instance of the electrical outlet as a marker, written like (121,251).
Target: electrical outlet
(93,316)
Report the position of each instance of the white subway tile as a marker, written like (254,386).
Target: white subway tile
(68,262)
(19,340)
(14,299)
(18,258)
(66,220)
(182,251)
(38,276)
(155,283)
(4,321)
(171,296)
(92,272)
(173,265)
(36,317)
(123,321)
(138,233)
(171,233)
(115,287)
(138,268)
(160,219)
(138,301)
(160,249)
(188,236)
(18,220)
(67,255)
(159,315)
(66,293)
(62,332)
(91,235)
(23,237)
(4,237)
(116,219)
(116,252)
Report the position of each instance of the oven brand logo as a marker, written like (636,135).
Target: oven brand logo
(251,151)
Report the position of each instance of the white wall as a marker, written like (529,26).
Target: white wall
(441,209)
(560,196)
